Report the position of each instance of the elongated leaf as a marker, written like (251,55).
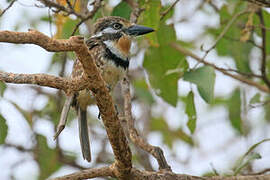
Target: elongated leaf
(46,157)
(191,112)
(3,129)
(241,163)
(250,158)
(142,91)
(3,87)
(169,136)
(255,99)
(158,60)
(122,10)
(150,17)
(68,28)
(234,107)
(204,77)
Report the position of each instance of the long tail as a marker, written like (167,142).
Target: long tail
(83,133)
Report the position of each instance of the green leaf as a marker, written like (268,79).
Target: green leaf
(151,18)
(241,163)
(3,87)
(28,115)
(191,112)
(122,10)
(204,77)
(68,28)
(255,99)
(142,91)
(266,16)
(267,109)
(244,164)
(157,62)
(3,129)
(234,107)
(46,157)
(169,136)
(230,44)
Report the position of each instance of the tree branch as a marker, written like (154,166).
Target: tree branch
(9,6)
(224,71)
(163,14)
(40,39)
(136,174)
(133,133)
(38,79)
(88,173)
(225,30)
(263,63)
(265,3)
(91,80)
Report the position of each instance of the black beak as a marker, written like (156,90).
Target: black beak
(137,30)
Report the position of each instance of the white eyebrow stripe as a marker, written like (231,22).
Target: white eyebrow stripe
(104,31)
(109,30)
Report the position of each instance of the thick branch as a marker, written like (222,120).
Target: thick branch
(224,71)
(89,173)
(151,175)
(93,81)
(35,37)
(38,79)
(110,119)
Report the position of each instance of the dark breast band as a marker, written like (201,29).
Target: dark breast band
(119,62)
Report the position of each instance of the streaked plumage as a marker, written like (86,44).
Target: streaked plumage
(110,48)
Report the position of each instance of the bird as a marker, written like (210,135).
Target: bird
(109,47)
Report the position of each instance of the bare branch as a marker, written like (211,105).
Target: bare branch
(150,175)
(35,37)
(163,14)
(38,79)
(89,15)
(110,119)
(224,71)
(89,173)
(136,10)
(260,172)
(133,133)
(225,30)
(59,7)
(264,38)
(9,6)
(91,80)
(265,3)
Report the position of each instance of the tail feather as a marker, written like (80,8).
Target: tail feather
(84,135)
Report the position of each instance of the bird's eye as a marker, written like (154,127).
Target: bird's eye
(117,26)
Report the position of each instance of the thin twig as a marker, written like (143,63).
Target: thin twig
(265,3)
(260,172)
(163,14)
(89,15)
(264,38)
(224,71)
(225,30)
(9,6)
(133,133)
(59,7)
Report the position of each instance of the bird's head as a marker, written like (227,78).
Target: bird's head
(117,33)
